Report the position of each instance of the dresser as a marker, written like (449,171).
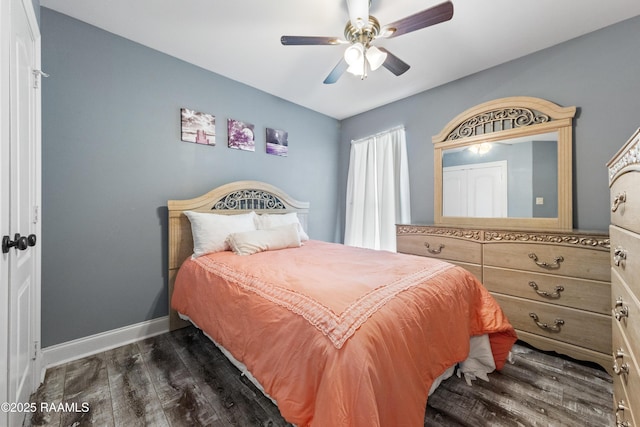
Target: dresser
(554,287)
(624,182)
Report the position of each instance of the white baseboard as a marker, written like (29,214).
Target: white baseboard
(93,344)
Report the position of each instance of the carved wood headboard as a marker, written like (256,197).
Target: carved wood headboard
(230,199)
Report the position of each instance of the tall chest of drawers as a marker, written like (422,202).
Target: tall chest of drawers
(624,182)
(553,286)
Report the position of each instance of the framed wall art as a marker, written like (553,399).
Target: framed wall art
(277,142)
(241,135)
(198,127)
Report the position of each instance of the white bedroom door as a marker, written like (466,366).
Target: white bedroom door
(20,222)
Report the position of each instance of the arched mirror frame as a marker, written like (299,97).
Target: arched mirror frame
(503,119)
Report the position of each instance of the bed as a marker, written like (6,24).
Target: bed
(334,335)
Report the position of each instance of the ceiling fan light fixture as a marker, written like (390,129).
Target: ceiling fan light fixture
(354,54)
(482,148)
(375,57)
(356,69)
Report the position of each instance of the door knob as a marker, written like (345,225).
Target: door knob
(18,242)
(21,242)
(7,243)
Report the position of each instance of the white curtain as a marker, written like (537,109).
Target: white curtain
(378,194)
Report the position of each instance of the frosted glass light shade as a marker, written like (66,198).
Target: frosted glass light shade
(356,69)
(482,148)
(354,54)
(376,57)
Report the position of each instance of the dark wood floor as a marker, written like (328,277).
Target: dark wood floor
(182,379)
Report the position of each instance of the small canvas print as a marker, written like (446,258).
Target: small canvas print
(198,127)
(241,135)
(277,142)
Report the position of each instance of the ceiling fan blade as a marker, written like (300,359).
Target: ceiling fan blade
(394,64)
(337,71)
(434,15)
(309,40)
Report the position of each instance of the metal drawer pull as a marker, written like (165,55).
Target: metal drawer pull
(621,407)
(620,310)
(556,262)
(434,251)
(618,200)
(555,294)
(619,255)
(556,323)
(621,313)
(620,369)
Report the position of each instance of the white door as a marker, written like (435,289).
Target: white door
(5,37)
(487,191)
(454,189)
(475,190)
(20,246)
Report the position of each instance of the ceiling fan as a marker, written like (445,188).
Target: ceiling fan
(362,30)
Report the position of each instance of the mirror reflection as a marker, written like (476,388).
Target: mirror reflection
(515,178)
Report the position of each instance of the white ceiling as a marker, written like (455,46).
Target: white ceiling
(240,39)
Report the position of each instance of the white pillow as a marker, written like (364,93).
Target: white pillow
(210,231)
(251,242)
(265,221)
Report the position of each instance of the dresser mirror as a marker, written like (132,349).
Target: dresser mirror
(506,163)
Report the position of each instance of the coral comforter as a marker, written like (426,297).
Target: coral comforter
(341,336)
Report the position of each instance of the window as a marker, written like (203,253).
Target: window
(378,195)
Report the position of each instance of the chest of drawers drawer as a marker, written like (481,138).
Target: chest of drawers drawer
(442,247)
(622,403)
(626,311)
(584,294)
(625,363)
(546,258)
(625,202)
(559,323)
(626,380)
(625,257)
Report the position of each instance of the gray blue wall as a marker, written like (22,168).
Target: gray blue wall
(599,73)
(112,157)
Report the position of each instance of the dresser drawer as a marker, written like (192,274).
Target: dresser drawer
(581,328)
(560,260)
(626,311)
(474,269)
(582,294)
(625,257)
(625,201)
(442,247)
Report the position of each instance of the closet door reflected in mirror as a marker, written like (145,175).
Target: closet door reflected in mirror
(506,163)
